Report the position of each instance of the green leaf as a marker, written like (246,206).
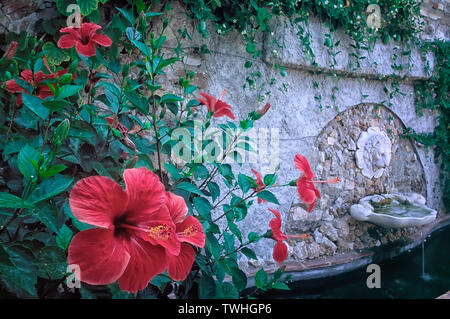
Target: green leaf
(173,171)
(51,262)
(56,169)
(35,105)
(226,291)
(214,190)
(206,288)
(235,230)
(50,187)
(253,237)
(170,98)
(54,55)
(203,207)
(280,285)
(62,5)
(261,279)
(212,244)
(24,161)
(249,253)
(239,278)
(87,6)
(11,201)
(188,187)
(268,196)
(47,213)
(64,237)
(244,182)
(69,90)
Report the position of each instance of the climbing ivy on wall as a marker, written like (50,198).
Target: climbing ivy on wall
(433,94)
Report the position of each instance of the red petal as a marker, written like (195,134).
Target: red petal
(86,50)
(258,180)
(88,30)
(44,91)
(102,40)
(102,258)
(280,252)
(146,194)
(210,101)
(191,231)
(180,266)
(165,237)
(306,190)
(67,41)
(73,31)
(223,109)
(176,206)
(27,75)
(146,262)
(275,226)
(303,166)
(97,200)
(12,86)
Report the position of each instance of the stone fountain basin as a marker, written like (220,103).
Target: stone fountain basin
(394,210)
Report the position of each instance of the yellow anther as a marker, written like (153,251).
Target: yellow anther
(159,232)
(190,231)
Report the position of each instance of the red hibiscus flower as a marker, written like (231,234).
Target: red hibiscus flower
(305,185)
(40,90)
(135,230)
(260,183)
(280,250)
(189,231)
(217,106)
(83,38)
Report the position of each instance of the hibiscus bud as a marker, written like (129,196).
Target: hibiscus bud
(11,51)
(61,133)
(293,182)
(264,109)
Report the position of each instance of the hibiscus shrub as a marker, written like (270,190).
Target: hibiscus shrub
(89,177)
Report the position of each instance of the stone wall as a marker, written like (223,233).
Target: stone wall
(295,124)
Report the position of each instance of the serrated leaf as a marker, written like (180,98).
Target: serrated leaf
(206,288)
(35,105)
(261,279)
(87,6)
(64,237)
(50,187)
(68,90)
(203,207)
(268,196)
(11,201)
(249,253)
(54,55)
(51,262)
(191,188)
(24,161)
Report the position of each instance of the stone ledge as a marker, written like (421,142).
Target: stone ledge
(444,296)
(376,64)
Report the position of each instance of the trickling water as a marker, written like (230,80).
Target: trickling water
(425,276)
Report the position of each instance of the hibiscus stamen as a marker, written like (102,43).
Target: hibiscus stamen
(334,180)
(159,232)
(191,231)
(301,236)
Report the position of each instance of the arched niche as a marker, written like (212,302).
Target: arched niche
(336,146)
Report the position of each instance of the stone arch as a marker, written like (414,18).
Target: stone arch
(335,147)
(330,224)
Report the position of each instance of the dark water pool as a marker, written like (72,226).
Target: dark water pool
(401,277)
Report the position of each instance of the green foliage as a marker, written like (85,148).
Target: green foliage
(433,95)
(99,120)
